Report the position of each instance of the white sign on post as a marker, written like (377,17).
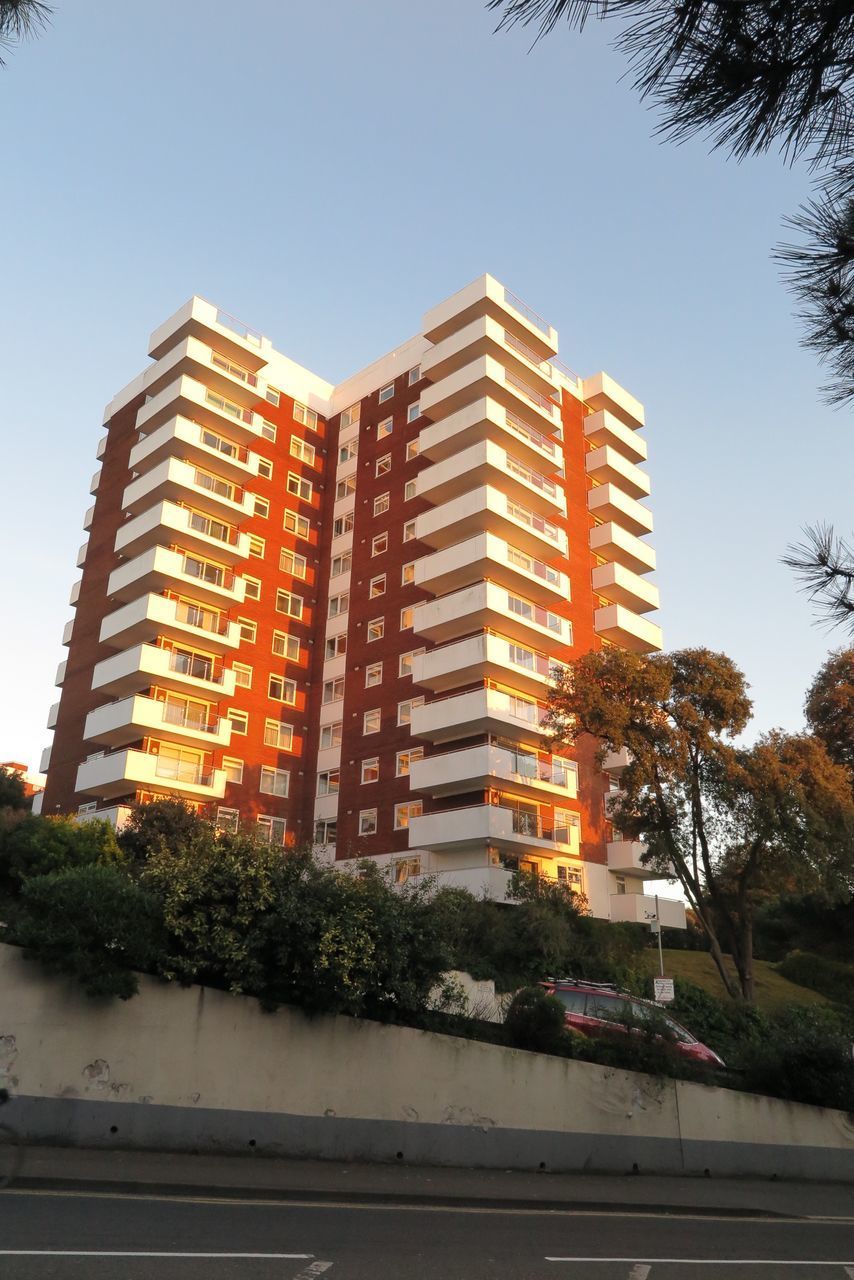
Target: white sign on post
(664,991)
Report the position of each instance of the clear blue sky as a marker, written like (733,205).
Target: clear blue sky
(327,172)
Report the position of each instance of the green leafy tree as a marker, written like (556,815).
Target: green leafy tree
(830,707)
(36,846)
(731,824)
(13,793)
(159,824)
(20,19)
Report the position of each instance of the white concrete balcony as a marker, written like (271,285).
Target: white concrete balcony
(624,858)
(191,399)
(491,464)
(486,419)
(616,761)
(484,336)
(145,665)
(166,524)
(102,446)
(67,632)
(226,373)
(639,908)
(81,554)
(479,767)
(152,616)
(621,586)
(480,711)
(114,775)
(95,481)
(213,450)
(488,606)
(61,669)
(119,723)
(44,762)
(488,377)
(486,656)
(626,629)
(487,509)
(487,556)
(89,517)
(215,327)
(606,464)
(487,296)
(53,715)
(509,830)
(179,481)
(612,542)
(74,593)
(159,569)
(608,502)
(602,392)
(602,428)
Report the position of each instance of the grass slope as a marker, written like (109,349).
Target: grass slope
(772,989)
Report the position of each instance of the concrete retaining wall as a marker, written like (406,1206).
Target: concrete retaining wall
(196,1069)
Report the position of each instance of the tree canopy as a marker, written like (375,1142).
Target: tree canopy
(830,707)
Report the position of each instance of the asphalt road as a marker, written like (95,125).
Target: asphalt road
(69,1235)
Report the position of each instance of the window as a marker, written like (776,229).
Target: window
(278,735)
(386,392)
(253,587)
(409,490)
(248,630)
(290,562)
(381,504)
(367,822)
(385,428)
(335,646)
(339,604)
(239,721)
(351,415)
(376,586)
(567,826)
(413,412)
(409,531)
(405,869)
(404,813)
(227,819)
(345,487)
(379,544)
(333,690)
(274,782)
(265,468)
(383,465)
(287,602)
(373,674)
(325,831)
(233,770)
(299,487)
(242,675)
(407,574)
(413,376)
(404,666)
(343,524)
(330,735)
(268,429)
(404,760)
(407,617)
(327,782)
(306,416)
(305,452)
(341,564)
(281,689)
(371,721)
(272,395)
(257,546)
(348,450)
(260,507)
(405,709)
(413,448)
(376,629)
(271,829)
(285,646)
(371,769)
(296,524)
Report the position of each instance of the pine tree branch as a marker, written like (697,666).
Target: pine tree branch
(824,566)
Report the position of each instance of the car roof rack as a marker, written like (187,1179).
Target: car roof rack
(586,982)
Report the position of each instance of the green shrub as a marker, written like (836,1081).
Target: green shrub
(831,978)
(722,1024)
(37,846)
(537,1021)
(91,923)
(802,1055)
(162,824)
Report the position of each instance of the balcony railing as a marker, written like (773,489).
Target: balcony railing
(528,659)
(189,717)
(531,565)
(535,478)
(212,528)
(535,613)
(195,615)
(531,824)
(530,315)
(236,370)
(532,356)
(536,438)
(183,771)
(233,410)
(238,327)
(215,484)
(530,518)
(200,668)
(214,574)
(228,448)
(541,401)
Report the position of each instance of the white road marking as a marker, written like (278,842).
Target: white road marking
(639,1272)
(316,1269)
(138,1253)
(723,1262)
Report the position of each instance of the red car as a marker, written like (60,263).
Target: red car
(594,1009)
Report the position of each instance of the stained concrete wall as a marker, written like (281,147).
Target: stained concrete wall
(196,1069)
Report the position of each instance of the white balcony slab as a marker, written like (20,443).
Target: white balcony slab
(607,464)
(109,776)
(53,715)
(487,296)
(624,858)
(44,762)
(487,336)
(601,392)
(609,502)
(486,419)
(620,586)
(489,463)
(213,326)
(488,606)
(487,509)
(152,616)
(145,665)
(188,398)
(466,715)
(486,376)
(200,487)
(486,656)
(603,428)
(131,719)
(639,908)
(627,629)
(181,438)
(166,524)
(486,556)
(486,765)
(502,828)
(159,569)
(612,542)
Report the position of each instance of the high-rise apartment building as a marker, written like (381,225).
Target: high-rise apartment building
(332,611)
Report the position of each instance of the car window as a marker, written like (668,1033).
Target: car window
(614,1008)
(680,1033)
(573,1001)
